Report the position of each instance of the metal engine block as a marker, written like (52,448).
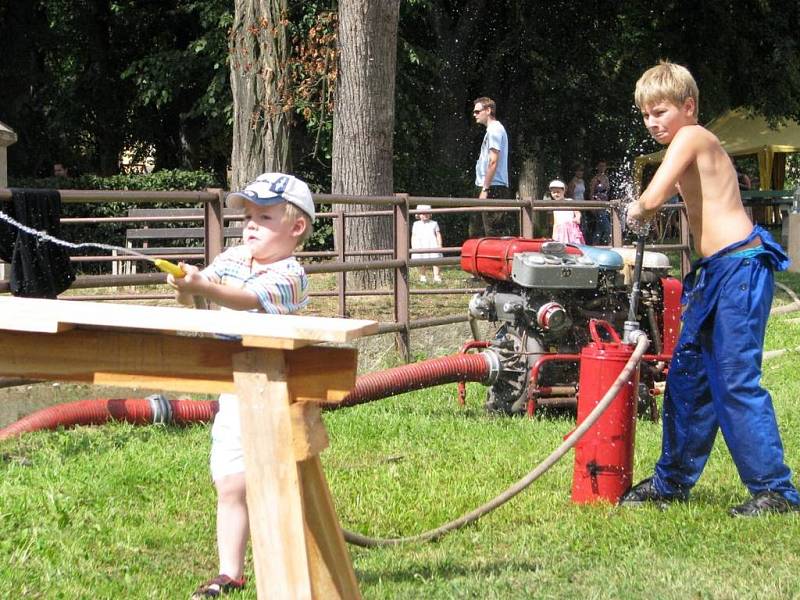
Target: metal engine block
(542,295)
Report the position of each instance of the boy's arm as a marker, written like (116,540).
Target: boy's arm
(681,153)
(195,284)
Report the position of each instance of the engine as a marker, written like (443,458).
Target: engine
(543,293)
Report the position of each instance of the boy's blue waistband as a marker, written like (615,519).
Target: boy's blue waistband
(747,252)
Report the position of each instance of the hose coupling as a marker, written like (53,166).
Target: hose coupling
(493,361)
(162,409)
(632,334)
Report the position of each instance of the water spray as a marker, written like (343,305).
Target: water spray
(163,265)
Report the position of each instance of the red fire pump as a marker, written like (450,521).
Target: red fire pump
(543,294)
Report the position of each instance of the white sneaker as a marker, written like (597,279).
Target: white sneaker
(423,279)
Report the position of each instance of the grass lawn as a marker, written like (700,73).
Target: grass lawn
(123,511)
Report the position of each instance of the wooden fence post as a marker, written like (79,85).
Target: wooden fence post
(341,276)
(401,288)
(616,229)
(214,225)
(527,218)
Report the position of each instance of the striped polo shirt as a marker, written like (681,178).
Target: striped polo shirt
(281,287)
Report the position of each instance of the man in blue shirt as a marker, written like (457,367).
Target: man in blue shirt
(491,169)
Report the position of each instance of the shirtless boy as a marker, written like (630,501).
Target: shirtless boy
(715,372)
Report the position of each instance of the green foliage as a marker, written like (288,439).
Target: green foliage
(165,180)
(91,79)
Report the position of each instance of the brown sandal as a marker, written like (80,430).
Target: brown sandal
(221,584)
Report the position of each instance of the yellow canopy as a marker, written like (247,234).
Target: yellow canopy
(742,135)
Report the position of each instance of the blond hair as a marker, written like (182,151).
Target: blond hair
(293,212)
(666,81)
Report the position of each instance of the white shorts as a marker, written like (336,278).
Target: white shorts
(227,456)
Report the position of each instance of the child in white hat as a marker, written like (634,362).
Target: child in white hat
(425,234)
(566,223)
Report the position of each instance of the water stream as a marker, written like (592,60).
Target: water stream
(43,235)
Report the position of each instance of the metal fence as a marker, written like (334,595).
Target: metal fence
(397,256)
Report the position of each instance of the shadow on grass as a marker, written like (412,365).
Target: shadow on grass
(422,570)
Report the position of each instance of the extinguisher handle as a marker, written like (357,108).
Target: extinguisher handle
(595,323)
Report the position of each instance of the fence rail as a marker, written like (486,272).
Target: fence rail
(397,256)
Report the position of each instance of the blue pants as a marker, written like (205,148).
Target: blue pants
(714,383)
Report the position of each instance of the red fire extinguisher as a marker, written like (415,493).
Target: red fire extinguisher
(604,455)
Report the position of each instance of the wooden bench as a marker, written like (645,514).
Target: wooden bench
(152,241)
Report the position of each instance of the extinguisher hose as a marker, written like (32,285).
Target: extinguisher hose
(641,342)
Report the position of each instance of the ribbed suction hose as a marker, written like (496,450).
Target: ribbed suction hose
(483,367)
(137,411)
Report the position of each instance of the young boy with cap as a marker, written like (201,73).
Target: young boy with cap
(260,275)
(714,380)
(566,223)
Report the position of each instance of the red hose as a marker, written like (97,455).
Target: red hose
(139,411)
(428,373)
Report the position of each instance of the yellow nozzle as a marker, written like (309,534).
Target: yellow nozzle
(169,267)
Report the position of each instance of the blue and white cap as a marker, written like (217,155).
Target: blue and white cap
(272,188)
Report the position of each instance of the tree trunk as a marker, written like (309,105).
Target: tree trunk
(363,123)
(259,84)
(529,183)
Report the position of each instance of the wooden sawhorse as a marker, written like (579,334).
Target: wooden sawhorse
(281,380)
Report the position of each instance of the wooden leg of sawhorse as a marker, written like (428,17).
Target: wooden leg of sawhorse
(298,548)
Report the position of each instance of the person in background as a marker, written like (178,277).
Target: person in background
(491,168)
(714,380)
(426,234)
(576,189)
(259,275)
(566,223)
(59,170)
(599,189)
(743,179)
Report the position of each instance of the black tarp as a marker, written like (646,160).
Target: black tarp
(39,268)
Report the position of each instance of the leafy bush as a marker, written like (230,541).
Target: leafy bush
(166,180)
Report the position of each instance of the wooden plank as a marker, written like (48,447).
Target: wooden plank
(332,575)
(318,368)
(29,314)
(273,489)
(26,316)
(309,434)
(169,363)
